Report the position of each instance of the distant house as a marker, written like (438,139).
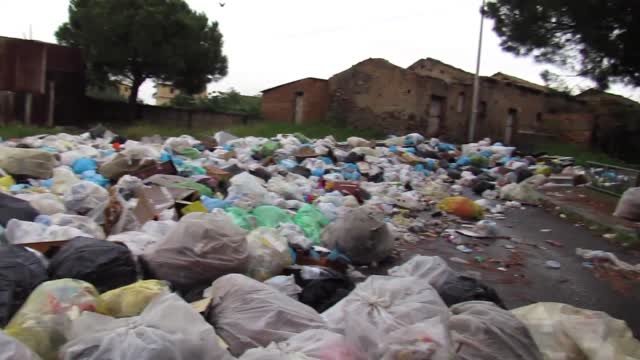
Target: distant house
(300,102)
(165,92)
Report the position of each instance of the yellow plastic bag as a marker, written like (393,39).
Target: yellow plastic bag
(45,317)
(565,332)
(462,207)
(130,300)
(6,182)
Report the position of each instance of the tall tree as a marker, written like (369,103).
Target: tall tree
(145,39)
(595,39)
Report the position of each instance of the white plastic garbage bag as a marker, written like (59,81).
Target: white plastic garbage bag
(427,340)
(432,269)
(286,285)
(361,234)
(44,203)
(566,332)
(138,242)
(12,349)
(82,223)
(246,191)
(167,329)
(85,196)
(222,138)
(523,192)
(382,305)
(201,248)
(482,331)
(269,253)
(247,313)
(355,141)
(159,228)
(629,205)
(23,232)
(294,235)
(28,162)
(63,179)
(314,344)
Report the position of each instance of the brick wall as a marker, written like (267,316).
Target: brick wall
(278,104)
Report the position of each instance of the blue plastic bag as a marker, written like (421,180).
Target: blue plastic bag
(84,164)
(214,203)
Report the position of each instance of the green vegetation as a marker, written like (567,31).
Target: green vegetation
(230,101)
(581,155)
(145,39)
(19,131)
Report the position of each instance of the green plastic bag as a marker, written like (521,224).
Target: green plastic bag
(192,185)
(302,138)
(479,161)
(190,153)
(269,148)
(311,220)
(241,217)
(271,216)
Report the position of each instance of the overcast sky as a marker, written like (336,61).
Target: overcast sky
(270,42)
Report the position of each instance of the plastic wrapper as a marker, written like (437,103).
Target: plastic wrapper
(201,248)
(21,271)
(269,253)
(310,345)
(12,349)
(33,163)
(482,331)
(84,196)
(44,320)
(104,264)
(167,329)
(383,305)
(132,299)
(271,216)
(248,314)
(629,205)
(462,207)
(432,269)
(361,234)
(286,285)
(562,331)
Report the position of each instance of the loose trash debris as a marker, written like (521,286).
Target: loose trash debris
(629,205)
(109,248)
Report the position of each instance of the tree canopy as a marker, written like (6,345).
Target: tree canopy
(145,39)
(224,101)
(594,39)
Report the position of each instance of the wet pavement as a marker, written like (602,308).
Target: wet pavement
(526,279)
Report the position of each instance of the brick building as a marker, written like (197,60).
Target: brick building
(301,102)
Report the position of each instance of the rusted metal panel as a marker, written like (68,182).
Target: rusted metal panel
(23,65)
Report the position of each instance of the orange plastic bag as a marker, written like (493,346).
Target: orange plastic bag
(462,207)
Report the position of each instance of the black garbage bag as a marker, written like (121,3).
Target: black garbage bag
(97,131)
(523,174)
(460,289)
(21,271)
(444,163)
(353,157)
(302,171)
(14,208)
(106,265)
(480,186)
(321,287)
(454,174)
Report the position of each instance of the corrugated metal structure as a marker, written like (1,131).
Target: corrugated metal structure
(40,83)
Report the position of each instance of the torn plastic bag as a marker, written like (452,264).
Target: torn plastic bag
(269,253)
(361,234)
(247,313)
(84,196)
(82,223)
(116,215)
(286,285)
(482,331)
(33,163)
(45,203)
(460,289)
(132,299)
(562,331)
(43,321)
(200,249)
(271,216)
(167,329)
(462,207)
(432,269)
(12,349)
(295,236)
(629,205)
(104,264)
(314,344)
(311,220)
(21,271)
(382,305)
(15,208)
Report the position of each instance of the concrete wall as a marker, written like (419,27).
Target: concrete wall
(439,70)
(278,104)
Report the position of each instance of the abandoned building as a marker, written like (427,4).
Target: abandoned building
(435,99)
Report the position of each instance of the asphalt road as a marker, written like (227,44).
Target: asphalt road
(532,281)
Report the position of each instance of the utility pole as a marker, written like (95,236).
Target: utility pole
(476,82)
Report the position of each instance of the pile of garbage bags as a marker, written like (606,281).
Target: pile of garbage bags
(248,248)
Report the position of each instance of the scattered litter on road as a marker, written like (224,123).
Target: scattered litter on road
(552,264)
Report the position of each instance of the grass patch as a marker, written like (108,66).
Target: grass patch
(19,131)
(580,154)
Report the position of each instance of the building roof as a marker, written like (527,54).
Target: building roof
(595,93)
(516,80)
(436,61)
(291,82)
